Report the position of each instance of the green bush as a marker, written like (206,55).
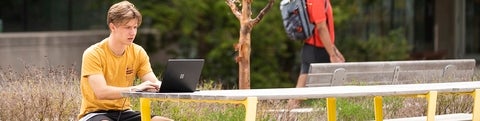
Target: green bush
(376,48)
(348,109)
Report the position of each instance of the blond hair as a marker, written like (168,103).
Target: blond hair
(122,12)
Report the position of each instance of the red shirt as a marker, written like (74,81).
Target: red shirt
(316,12)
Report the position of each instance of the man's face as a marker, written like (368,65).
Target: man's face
(125,33)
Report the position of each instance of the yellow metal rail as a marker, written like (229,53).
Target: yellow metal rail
(431,98)
(250,106)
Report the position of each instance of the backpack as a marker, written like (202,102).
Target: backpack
(295,19)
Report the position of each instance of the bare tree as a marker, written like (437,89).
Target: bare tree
(243,11)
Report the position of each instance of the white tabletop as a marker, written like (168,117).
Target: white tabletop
(315,92)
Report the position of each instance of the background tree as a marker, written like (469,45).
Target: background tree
(208,29)
(243,11)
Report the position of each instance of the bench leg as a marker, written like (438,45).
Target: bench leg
(250,108)
(145,109)
(432,105)
(476,105)
(331,109)
(378,105)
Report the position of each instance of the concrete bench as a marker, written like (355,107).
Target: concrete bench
(390,72)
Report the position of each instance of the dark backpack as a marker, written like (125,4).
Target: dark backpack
(295,19)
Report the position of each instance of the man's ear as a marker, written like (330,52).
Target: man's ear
(111,26)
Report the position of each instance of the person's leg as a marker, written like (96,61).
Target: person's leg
(295,103)
(301,81)
(310,54)
(100,118)
(130,115)
(160,118)
(302,78)
(95,117)
(307,58)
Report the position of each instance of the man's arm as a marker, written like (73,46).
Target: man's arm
(102,90)
(105,92)
(150,77)
(335,55)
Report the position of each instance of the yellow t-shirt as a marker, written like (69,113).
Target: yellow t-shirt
(118,71)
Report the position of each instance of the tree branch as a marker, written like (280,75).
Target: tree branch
(234,8)
(262,13)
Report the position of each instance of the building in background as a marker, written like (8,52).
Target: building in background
(52,32)
(437,29)
(52,15)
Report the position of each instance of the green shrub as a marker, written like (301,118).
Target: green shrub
(376,48)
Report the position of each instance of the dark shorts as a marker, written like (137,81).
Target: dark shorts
(312,54)
(127,115)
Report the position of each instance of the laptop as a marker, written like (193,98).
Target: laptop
(181,75)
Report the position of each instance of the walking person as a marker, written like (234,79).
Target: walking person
(320,47)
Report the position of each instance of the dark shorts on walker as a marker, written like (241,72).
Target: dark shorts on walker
(312,54)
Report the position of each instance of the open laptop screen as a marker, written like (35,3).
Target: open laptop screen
(181,75)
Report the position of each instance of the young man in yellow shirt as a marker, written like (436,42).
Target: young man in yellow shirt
(110,67)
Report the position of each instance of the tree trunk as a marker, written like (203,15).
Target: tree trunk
(243,58)
(243,47)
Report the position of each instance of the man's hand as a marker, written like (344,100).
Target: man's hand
(147,86)
(337,57)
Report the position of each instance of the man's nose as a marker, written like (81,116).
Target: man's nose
(132,31)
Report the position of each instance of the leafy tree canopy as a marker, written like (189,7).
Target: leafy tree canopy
(208,29)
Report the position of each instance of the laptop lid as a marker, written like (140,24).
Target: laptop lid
(181,75)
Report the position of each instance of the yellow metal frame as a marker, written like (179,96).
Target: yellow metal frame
(431,98)
(250,106)
(476,105)
(332,109)
(378,107)
(432,105)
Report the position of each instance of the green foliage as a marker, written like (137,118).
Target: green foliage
(354,110)
(377,48)
(273,55)
(348,109)
(208,29)
(343,11)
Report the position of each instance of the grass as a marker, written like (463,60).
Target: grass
(39,93)
(52,94)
